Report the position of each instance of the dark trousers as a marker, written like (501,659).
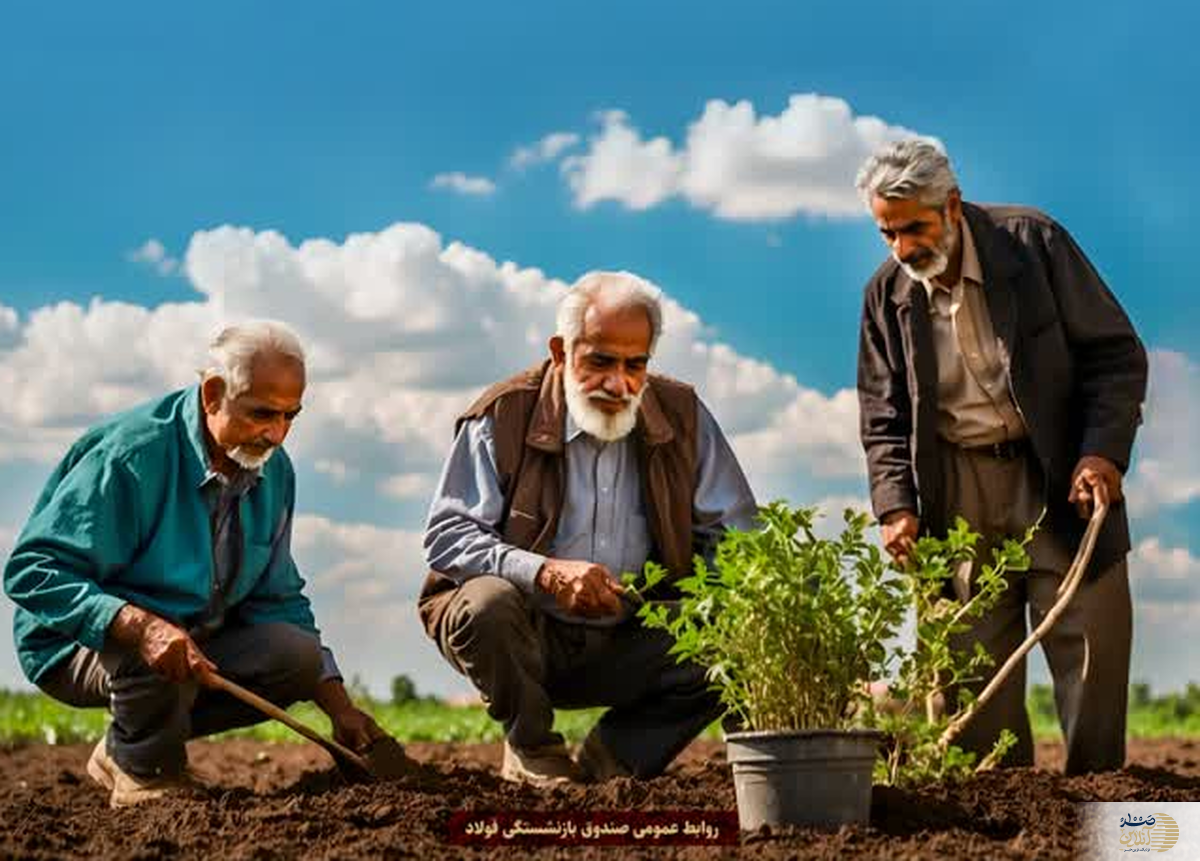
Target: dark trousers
(1087,649)
(526,663)
(152,718)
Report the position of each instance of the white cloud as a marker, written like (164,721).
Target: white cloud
(1151,561)
(476,186)
(734,163)
(403,330)
(1167,471)
(621,166)
(154,254)
(411,485)
(337,470)
(547,149)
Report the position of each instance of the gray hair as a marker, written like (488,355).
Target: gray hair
(914,169)
(620,289)
(232,352)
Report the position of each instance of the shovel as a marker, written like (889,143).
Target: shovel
(1066,591)
(384,759)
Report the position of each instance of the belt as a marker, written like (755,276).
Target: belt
(1009,449)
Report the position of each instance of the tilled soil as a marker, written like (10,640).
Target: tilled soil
(285,801)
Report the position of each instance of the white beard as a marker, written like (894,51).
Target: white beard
(248,461)
(594,421)
(941,258)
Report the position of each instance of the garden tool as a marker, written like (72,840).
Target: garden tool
(384,758)
(1066,591)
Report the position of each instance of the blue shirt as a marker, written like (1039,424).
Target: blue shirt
(603,519)
(126,517)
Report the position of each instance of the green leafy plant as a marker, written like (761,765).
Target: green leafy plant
(789,640)
(797,631)
(929,693)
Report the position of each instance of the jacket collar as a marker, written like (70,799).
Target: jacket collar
(997,259)
(548,426)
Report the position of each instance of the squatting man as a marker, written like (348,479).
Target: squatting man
(559,480)
(159,552)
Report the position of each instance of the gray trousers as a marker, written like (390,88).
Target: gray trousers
(525,664)
(1087,649)
(152,718)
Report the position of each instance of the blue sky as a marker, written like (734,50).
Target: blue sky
(140,124)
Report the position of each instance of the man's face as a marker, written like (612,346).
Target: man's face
(606,369)
(922,238)
(248,428)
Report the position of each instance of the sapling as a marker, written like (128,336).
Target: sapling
(796,630)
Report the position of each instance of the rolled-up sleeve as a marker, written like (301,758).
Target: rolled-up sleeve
(723,497)
(462,534)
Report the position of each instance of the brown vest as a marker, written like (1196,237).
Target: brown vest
(529,422)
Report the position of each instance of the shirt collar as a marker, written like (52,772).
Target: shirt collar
(572,430)
(970,269)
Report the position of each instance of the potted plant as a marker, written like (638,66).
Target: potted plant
(796,631)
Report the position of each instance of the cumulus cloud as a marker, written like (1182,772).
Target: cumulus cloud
(620,166)
(1151,560)
(410,485)
(735,163)
(461,183)
(154,254)
(403,329)
(545,150)
(1168,466)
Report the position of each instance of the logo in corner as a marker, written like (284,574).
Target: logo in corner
(1157,832)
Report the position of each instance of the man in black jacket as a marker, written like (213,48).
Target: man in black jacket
(998,376)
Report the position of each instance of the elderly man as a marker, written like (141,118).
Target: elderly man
(561,479)
(159,552)
(997,377)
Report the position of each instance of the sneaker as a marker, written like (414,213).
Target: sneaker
(596,762)
(549,765)
(127,789)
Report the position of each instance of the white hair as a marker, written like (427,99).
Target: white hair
(620,289)
(913,169)
(232,352)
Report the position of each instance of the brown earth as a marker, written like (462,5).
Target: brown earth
(284,801)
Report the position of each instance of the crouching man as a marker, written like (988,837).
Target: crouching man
(561,479)
(159,552)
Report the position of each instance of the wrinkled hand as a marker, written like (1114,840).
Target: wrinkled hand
(351,725)
(900,530)
(1096,479)
(355,729)
(166,648)
(580,587)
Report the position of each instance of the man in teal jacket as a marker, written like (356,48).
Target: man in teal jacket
(159,551)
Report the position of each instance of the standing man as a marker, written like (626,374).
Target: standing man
(561,479)
(997,376)
(159,551)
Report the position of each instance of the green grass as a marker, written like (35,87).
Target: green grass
(26,717)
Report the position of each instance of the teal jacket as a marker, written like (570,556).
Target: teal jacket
(122,520)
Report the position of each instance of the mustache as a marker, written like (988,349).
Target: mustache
(612,399)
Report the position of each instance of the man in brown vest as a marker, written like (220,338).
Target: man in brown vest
(560,480)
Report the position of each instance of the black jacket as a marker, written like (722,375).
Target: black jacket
(1076,368)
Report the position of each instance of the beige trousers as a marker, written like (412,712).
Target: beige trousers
(1087,649)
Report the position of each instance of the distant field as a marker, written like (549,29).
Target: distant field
(35,717)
